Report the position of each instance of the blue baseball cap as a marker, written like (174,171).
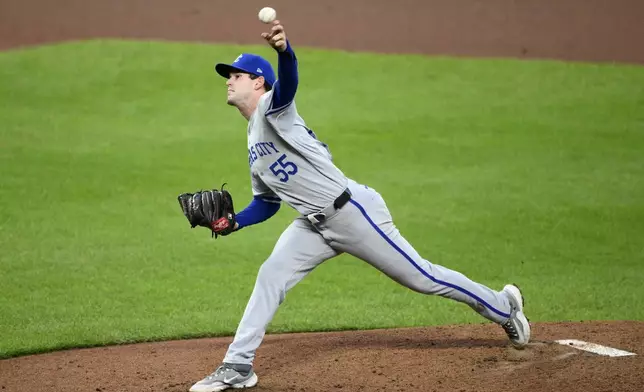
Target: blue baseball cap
(248,63)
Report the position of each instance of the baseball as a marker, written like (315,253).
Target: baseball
(267,14)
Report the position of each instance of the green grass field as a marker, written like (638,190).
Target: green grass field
(508,171)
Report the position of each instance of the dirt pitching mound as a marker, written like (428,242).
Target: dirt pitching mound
(450,358)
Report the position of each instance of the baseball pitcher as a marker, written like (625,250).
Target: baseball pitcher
(288,164)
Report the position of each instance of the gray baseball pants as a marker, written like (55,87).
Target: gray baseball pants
(363,228)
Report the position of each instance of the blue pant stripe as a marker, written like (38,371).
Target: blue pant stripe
(422,271)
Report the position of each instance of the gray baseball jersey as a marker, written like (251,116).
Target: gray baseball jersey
(289,163)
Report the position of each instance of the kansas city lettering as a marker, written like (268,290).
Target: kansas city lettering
(259,150)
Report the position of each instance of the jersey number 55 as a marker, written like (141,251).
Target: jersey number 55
(285,170)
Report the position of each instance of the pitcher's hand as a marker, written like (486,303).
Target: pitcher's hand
(276,37)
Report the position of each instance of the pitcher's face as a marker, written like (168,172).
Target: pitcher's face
(241,87)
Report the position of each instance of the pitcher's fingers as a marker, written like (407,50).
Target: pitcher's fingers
(279,37)
(278,28)
(269,35)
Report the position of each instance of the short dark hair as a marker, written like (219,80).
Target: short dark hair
(266,85)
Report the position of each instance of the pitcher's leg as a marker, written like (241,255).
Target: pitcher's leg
(298,251)
(364,228)
(413,271)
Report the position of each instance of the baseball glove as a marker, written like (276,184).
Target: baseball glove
(212,209)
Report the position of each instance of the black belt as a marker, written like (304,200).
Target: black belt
(342,199)
(337,204)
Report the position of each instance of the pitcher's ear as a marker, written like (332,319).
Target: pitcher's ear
(259,82)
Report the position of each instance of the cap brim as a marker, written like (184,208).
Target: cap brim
(225,69)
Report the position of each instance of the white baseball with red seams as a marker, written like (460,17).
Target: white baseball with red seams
(267,14)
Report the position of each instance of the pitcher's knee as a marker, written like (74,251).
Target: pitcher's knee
(274,278)
(269,274)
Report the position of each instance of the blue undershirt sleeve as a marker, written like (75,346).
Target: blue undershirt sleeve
(287,80)
(259,210)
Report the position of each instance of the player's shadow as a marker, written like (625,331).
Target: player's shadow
(334,341)
(401,342)
(307,349)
